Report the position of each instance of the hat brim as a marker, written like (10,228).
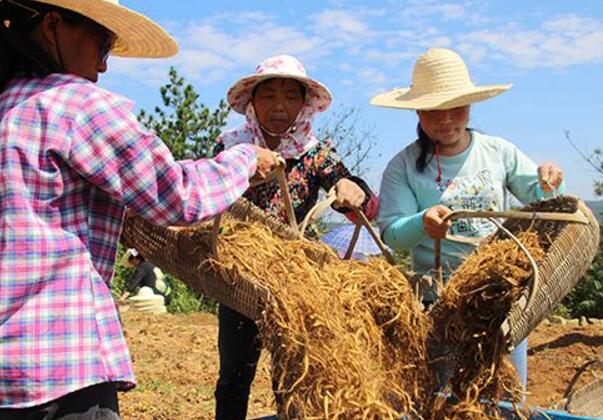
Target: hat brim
(406,98)
(239,94)
(137,35)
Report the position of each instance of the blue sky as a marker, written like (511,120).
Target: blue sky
(552,52)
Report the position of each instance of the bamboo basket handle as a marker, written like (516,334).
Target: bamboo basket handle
(279,173)
(576,217)
(321,206)
(365,222)
(317,210)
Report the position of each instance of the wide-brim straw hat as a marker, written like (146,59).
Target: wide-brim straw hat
(440,80)
(137,35)
(281,66)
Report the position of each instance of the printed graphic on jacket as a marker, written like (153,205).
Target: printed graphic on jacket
(475,192)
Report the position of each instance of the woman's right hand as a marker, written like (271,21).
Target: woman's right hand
(266,163)
(433,222)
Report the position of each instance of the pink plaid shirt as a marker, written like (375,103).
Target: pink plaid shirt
(72,157)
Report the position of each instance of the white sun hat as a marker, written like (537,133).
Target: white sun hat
(280,66)
(125,258)
(137,35)
(440,80)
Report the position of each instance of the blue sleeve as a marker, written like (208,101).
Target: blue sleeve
(400,219)
(522,175)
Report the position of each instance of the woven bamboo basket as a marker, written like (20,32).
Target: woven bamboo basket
(570,234)
(573,246)
(186,253)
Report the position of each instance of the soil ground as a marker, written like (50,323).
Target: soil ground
(176,363)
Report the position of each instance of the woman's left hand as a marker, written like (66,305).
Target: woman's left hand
(550,176)
(349,194)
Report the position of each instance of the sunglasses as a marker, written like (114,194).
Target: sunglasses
(107,38)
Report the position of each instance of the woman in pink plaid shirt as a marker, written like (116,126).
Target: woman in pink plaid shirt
(72,158)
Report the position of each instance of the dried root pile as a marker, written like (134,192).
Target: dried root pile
(339,333)
(468,347)
(349,340)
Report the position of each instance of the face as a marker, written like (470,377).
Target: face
(445,126)
(277,103)
(83,47)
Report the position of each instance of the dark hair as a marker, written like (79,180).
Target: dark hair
(302,87)
(20,55)
(426,147)
(136,257)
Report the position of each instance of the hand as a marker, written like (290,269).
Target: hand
(433,222)
(349,194)
(550,176)
(266,163)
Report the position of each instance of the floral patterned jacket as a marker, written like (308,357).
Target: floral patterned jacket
(319,168)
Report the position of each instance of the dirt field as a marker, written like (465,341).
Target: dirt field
(176,362)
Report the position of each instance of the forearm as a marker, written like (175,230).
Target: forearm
(406,232)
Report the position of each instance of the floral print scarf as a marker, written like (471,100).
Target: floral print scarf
(298,140)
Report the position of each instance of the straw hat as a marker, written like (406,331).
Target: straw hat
(440,80)
(137,35)
(280,66)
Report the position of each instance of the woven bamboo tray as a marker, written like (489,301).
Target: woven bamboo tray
(571,235)
(572,249)
(186,253)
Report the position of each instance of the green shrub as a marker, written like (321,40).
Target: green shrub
(186,301)
(587,297)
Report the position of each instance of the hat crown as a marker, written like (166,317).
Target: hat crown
(440,70)
(281,65)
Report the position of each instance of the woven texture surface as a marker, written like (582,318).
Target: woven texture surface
(185,255)
(571,249)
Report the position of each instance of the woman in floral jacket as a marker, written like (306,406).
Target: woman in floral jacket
(279,102)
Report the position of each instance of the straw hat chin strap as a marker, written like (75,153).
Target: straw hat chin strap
(57,46)
(289,130)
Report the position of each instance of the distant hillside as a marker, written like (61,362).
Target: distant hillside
(596,207)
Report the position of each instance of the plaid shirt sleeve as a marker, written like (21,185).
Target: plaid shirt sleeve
(113,151)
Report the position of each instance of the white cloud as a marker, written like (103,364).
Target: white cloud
(217,47)
(560,42)
(390,58)
(150,72)
(420,11)
(341,25)
(209,54)
(252,44)
(346,67)
(373,77)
